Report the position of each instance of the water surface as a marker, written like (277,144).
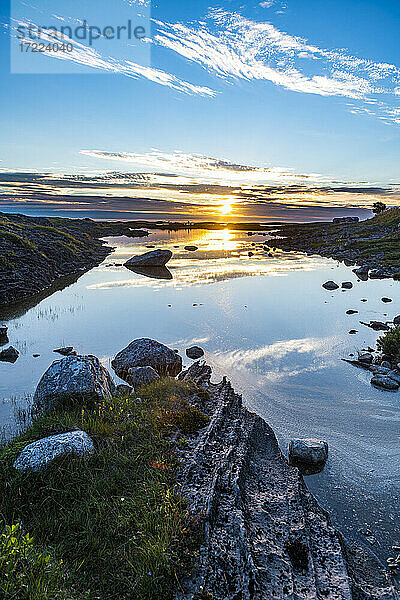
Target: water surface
(266,323)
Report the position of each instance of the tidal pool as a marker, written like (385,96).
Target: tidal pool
(265,322)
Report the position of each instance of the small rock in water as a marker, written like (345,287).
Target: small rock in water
(351,312)
(251,253)
(35,355)
(155,258)
(353,331)
(366,358)
(385,382)
(347,285)
(9,354)
(387,300)
(364,300)
(362,273)
(376,325)
(65,351)
(39,454)
(330,285)
(3,334)
(396,320)
(191,248)
(308,452)
(194,352)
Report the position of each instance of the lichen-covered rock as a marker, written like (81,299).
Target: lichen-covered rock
(194,352)
(308,451)
(145,352)
(74,378)
(138,376)
(330,285)
(155,258)
(9,354)
(39,454)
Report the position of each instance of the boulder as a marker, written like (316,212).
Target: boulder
(145,352)
(74,378)
(9,354)
(330,285)
(156,258)
(138,376)
(194,352)
(310,451)
(39,454)
(385,382)
(347,285)
(362,273)
(365,358)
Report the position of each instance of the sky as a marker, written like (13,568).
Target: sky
(264,110)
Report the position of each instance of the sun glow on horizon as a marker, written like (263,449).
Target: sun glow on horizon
(225,209)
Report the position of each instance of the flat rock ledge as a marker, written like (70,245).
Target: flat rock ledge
(265,535)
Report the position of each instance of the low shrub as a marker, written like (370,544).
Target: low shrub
(389,344)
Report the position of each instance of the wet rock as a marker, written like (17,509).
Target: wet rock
(66,351)
(365,358)
(330,285)
(191,248)
(380,274)
(39,454)
(384,382)
(138,376)
(156,258)
(376,325)
(3,334)
(347,285)
(194,352)
(310,452)
(74,379)
(145,352)
(386,364)
(362,273)
(396,320)
(353,331)
(380,370)
(387,300)
(9,354)
(351,311)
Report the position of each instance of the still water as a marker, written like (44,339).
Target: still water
(266,323)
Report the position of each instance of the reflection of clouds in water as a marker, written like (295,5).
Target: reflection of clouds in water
(211,272)
(277,350)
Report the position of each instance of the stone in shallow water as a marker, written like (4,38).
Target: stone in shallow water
(396,320)
(39,454)
(9,354)
(145,352)
(194,352)
(156,258)
(74,378)
(65,351)
(308,451)
(385,382)
(330,285)
(3,334)
(347,285)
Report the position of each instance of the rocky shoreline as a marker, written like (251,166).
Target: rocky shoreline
(372,244)
(36,252)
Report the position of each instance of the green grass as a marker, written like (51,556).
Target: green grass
(389,344)
(113,517)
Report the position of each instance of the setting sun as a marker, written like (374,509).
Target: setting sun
(225,209)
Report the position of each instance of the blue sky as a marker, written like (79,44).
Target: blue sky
(236,94)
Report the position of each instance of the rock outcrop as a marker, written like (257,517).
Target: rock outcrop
(73,379)
(39,454)
(265,536)
(145,352)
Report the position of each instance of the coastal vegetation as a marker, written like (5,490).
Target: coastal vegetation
(108,525)
(389,344)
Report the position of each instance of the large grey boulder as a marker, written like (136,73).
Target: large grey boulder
(145,352)
(74,378)
(155,258)
(330,285)
(39,454)
(308,451)
(139,376)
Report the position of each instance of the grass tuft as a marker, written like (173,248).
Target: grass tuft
(389,344)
